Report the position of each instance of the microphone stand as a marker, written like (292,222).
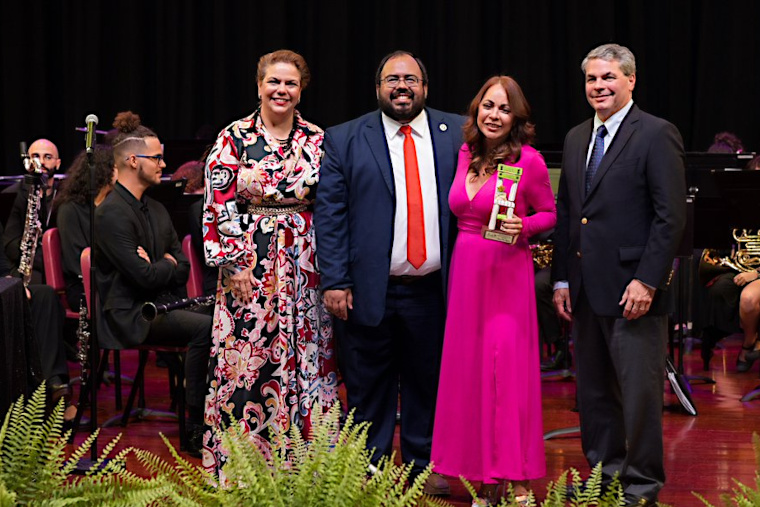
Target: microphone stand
(94,351)
(89,387)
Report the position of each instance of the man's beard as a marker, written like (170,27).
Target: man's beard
(405,114)
(146,177)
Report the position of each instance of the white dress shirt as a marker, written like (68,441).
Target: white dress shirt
(612,125)
(426,165)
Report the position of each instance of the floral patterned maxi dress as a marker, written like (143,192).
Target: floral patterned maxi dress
(272,359)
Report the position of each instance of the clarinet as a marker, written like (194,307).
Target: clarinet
(83,339)
(151,310)
(32,226)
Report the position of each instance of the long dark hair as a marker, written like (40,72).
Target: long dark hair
(522,132)
(76,187)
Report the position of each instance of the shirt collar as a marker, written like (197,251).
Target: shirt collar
(128,196)
(613,122)
(392,127)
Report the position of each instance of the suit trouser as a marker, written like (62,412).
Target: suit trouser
(47,319)
(403,351)
(620,379)
(182,327)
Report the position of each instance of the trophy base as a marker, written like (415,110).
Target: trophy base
(497,235)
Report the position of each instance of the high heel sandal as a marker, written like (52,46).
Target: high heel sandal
(522,500)
(488,495)
(750,356)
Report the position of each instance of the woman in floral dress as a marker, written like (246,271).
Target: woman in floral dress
(272,356)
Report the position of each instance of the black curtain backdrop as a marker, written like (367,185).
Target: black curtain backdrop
(185,64)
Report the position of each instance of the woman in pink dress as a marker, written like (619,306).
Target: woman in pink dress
(488,425)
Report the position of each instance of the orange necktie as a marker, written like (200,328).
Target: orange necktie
(415,229)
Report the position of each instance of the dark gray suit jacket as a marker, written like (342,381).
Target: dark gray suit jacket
(631,222)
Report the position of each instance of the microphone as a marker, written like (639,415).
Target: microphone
(91,121)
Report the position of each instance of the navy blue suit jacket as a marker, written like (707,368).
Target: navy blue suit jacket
(355,207)
(631,222)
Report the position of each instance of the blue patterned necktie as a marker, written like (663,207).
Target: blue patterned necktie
(597,152)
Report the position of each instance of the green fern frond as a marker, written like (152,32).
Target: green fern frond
(7,498)
(556,491)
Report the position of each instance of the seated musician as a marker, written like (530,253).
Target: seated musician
(46,310)
(732,306)
(139,259)
(726,142)
(549,325)
(46,153)
(72,206)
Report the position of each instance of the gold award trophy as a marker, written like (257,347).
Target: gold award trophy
(503,204)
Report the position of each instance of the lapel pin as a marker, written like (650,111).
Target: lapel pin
(443,127)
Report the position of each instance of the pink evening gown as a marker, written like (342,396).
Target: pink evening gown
(488,422)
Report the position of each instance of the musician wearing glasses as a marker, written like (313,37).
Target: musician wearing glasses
(138,258)
(384,234)
(272,359)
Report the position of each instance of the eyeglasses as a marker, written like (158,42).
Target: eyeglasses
(393,81)
(156,158)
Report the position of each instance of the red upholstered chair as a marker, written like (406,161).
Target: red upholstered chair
(51,256)
(138,386)
(195,280)
(53,261)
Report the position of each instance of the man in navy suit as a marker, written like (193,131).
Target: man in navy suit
(383,267)
(621,212)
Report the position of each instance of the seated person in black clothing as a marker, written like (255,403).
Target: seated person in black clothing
(549,324)
(733,305)
(726,142)
(72,207)
(47,321)
(47,153)
(138,258)
(47,312)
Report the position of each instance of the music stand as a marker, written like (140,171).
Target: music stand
(740,190)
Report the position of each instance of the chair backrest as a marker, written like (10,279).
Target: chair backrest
(51,255)
(84,264)
(195,280)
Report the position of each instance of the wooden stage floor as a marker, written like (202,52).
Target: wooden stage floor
(703,453)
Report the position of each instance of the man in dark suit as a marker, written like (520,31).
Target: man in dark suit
(384,234)
(620,217)
(138,258)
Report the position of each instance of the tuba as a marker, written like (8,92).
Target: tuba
(542,254)
(36,185)
(745,258)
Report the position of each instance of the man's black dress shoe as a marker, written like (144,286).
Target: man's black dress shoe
(194,434)
(556,362)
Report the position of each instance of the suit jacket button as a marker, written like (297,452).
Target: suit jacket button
(578,254)
(584,220)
